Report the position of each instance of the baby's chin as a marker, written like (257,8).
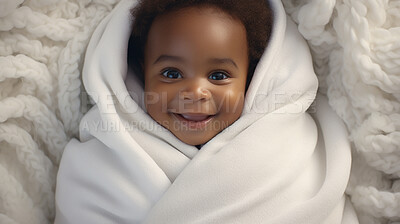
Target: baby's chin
(197,143)
(195,139)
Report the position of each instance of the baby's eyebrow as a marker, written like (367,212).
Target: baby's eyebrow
(165,57)
(222,61)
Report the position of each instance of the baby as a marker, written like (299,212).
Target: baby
(232,78)
(199,54)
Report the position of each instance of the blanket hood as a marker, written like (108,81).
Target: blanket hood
(284,80)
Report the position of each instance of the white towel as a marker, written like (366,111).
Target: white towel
(275,164)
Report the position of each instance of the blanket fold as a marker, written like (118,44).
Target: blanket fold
(285,160)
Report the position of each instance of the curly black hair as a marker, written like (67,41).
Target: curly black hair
(256,16)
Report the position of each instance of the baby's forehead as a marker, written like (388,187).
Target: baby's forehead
(205,29)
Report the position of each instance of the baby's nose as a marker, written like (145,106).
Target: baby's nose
(196,91)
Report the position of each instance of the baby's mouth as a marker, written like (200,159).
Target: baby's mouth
(193,120)
(195,117)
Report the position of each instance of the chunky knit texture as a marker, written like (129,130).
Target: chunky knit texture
(356,51)
(42,45)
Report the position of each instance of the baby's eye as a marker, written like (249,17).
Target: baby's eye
(218,76)
(171,74)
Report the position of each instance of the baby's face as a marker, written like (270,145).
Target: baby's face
(195,66)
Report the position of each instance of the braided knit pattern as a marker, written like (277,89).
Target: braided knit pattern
(42,46)
(356,51)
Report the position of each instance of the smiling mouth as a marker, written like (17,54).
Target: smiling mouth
(194,117)
(194,121)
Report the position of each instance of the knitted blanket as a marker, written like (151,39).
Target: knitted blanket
(42,44)
(356,54)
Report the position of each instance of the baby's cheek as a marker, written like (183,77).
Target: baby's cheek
(232,102)
(158,98)
(159,113)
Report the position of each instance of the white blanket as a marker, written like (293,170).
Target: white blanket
(276,164)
